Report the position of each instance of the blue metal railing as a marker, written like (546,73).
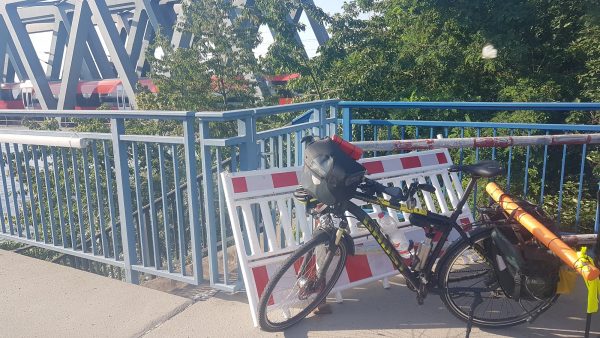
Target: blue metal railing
(517,161)
(80,198)
(154,204)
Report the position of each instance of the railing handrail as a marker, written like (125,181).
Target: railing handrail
(555,106)
(147,177)
(262,111)
(102,114)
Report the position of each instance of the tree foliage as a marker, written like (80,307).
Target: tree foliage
(431,50)
(182,80)
(214,70)
(287,55)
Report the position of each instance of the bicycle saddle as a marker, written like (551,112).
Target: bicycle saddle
(485,169)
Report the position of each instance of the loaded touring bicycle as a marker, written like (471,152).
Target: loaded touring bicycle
(491,276)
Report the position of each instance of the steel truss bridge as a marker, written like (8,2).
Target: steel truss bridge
(80,28)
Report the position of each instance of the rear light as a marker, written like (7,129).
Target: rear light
(347,147)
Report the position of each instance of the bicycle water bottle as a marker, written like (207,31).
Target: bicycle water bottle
(390,227)
(422,253)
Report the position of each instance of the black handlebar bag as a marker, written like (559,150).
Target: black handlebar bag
(329,174)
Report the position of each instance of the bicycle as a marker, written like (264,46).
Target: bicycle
(463,276)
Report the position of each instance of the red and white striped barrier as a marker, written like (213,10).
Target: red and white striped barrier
(268,223)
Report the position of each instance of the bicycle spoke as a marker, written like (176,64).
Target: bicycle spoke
(471,272)
(301,284)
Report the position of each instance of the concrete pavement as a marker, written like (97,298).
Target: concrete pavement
(371,311)
(38,298)
(42,299)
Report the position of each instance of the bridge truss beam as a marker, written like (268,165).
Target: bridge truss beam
(93,40)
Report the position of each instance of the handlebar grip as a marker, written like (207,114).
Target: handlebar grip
(394,192)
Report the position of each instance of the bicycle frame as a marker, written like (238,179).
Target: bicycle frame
(417,279)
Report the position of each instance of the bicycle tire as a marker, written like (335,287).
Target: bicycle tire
(321,238)
(456,251)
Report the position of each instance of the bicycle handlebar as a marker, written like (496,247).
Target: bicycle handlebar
(396,194)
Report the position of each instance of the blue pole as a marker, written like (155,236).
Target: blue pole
(346,126)
(597,225)
(210,226)
(191,173)
(117,127)
(580,190)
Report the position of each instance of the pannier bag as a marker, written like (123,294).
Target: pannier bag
(524,268)
(329,174)
(524,271)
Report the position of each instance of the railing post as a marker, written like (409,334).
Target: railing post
(191,173)
(597,224)
(322,123)
(117,126)
(209,204)
(316,117)
(249,156)
(346,126)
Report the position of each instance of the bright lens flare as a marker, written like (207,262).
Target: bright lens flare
(489,52)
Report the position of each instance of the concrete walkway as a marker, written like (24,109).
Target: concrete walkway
(38,299)
(42,299)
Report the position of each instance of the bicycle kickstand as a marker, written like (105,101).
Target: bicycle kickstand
(476,302)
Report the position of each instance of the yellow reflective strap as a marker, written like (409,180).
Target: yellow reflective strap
(593,286)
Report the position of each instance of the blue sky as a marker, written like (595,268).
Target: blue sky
(330,6)
(308,37)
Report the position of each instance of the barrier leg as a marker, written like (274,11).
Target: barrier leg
(338,297)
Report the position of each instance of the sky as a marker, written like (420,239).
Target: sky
(41,41)
(307,36)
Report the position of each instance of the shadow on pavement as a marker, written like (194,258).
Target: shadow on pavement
(375,311)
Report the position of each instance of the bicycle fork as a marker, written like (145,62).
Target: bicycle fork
(312,271)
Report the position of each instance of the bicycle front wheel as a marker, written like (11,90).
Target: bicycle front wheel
(466,272)
(302,282)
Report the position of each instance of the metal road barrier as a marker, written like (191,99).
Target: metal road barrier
(269,223)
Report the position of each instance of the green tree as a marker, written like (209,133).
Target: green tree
(225,44)
(182,80)
(214,71)
(287,55)
(431,50)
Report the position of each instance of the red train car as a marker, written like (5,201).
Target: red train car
(90,94)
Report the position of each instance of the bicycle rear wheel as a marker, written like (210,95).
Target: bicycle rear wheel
(465,271)
(302,282)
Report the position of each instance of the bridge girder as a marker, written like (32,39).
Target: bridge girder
(110,39)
